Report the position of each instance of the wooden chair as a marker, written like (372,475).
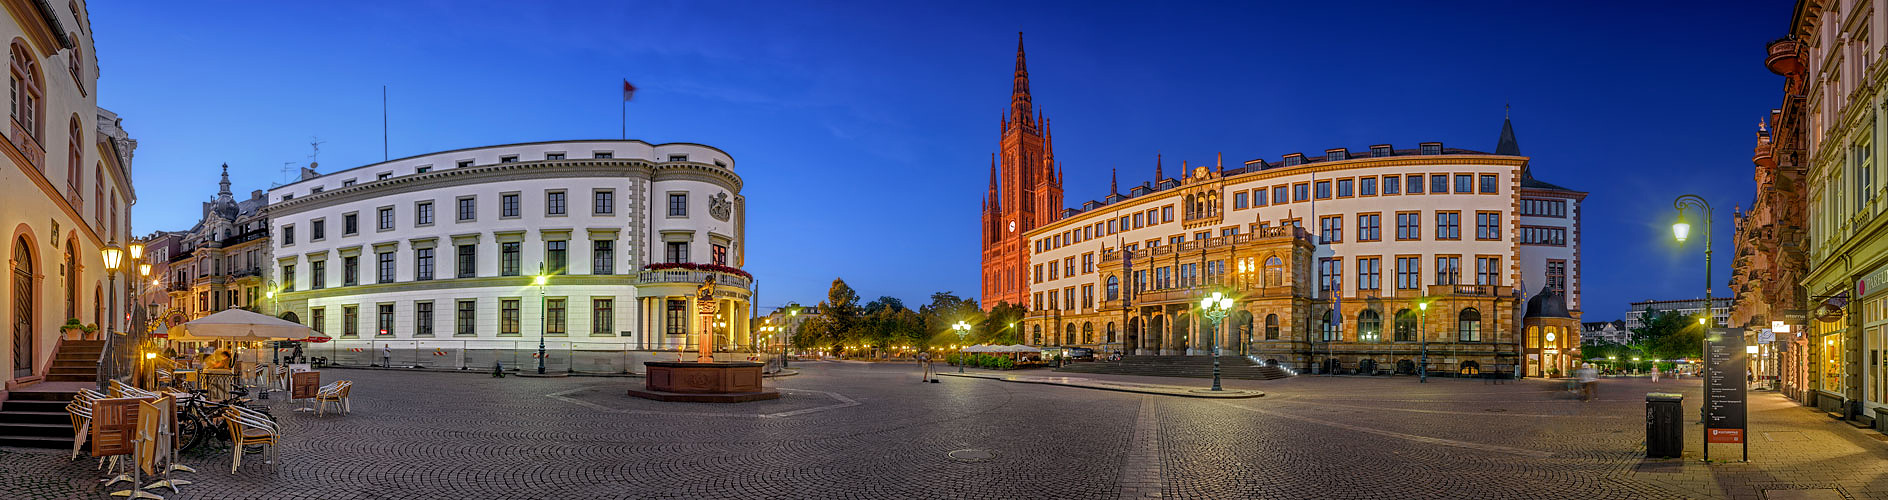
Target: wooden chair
(80,410)
(335,394)
(249,427)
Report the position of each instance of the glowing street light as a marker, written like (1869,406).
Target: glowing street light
(1216,307)
(963,331)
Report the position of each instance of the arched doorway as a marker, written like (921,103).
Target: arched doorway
(72,278)
(1134,336)
(291,317)
(1367,367)
(1156,334)
(1181,339)
(1242,331)
(23,295)
(1405,367)
(1470,368)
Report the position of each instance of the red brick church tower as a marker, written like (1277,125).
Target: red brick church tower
(1025,193)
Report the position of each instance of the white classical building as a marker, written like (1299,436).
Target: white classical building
(441,252)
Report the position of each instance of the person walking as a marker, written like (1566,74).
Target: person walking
(386,356)
(924,362)
(1589,382)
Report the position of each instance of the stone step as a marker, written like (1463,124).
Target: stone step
(53,442)
(35,417)
(32,395)
(59,377)
(36,429)
(35,406)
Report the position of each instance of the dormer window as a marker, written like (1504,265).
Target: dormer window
(1294,159)
(383,176)
(721,164)
(347,183)
(603,155)
(465,163)
(316,190)
(678,157)
(553,156)
(1336,155)
(1380,150)
(424,169)
(508,159)
(1432,148)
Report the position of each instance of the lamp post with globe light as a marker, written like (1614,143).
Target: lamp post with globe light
(963,331)
(1422,331)
(113,256)
(1216,307)
(1681,229)
(540,281)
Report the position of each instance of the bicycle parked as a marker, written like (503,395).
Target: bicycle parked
(200,420)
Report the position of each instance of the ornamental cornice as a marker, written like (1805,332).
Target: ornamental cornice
(457,283)
(452,177)
(684,170)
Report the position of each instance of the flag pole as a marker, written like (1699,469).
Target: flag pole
(625,104)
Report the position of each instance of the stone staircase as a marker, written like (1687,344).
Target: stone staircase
(1233,367)
(34,416)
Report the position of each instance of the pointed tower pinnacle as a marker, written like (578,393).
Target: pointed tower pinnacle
(995,196)
(222,192)
(1157,174)
(1507,145)
(1019,91)
(1113,186)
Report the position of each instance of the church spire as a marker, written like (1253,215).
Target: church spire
(222,191)
(1019,92)
(1113,187)
(1157,174)
(1507,145)
(995,197)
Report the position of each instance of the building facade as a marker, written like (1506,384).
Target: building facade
(1607,332)
(1839,45)
(1343,261)
(447,248)
(1771,258)
(154,292)
(1025,193)
(62,205)
(1720,308)
(219,263)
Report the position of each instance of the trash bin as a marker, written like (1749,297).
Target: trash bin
(1664,425)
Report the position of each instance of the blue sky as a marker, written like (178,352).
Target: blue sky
(864,130)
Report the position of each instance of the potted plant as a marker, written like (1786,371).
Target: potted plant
(74,330)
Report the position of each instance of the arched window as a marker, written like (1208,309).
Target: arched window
(72,278)
(75,157)
(1110,333)
(78,66)
(1534,337)
(1328,324)
(1035,335)
(1192,208)
(1088,333)
(1469,325)
(1068,334)
(25,89)
(1274,272)
(22,297)
(1405,325)
(98,304)
(1271,327)
(1114,288)
(1369,326)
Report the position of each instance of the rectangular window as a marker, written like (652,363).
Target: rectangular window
(1367,186)
(1055,297)
(465,163)
(288,235)
(1068,266)
(1369,227)
(1138,221)
(386,320)
(1448,225)
(1300,192)
(510,260)
(1415,184)
(468,261)
(677,252)
(386,219)
(318,319)
(467,322)
(468,208)
(1344,187)
(1488,225)
(719,254)
(554,203)
(1545,236)
(319,229)
(1439,184)
(422,264)
(1448,270)
(423,213)
(350,271)
(318,274)
(350,224)
(1055,272)
(1239,200)
(602,316)
(1166,213)
(553,156)
(678,204)
(1487,270)
(602,257)
(1409,273)
(508,205)
(1369,273)
(1557,275)
(1068,298)
(603,155)
(386,269)
(1279,195)
(508,316)
(1036,274)
(350,321)
(1331,229)
(556,256)
(1324,190)
(1391,184)
(1488,184)
(1543,208)
(1331,276)
(1464,183)
(553,317)
(423,318)
(1088,296)
(676,321)
(288,278)
(1088,263)
(1409,226)
(603,202)
(1258,197)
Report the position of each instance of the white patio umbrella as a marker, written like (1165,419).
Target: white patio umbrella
(240,326)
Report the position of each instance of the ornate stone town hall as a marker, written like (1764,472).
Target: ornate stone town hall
(1341,261)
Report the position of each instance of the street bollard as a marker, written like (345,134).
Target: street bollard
(1664,425)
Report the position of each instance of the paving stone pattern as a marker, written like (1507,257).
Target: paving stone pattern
(848,430)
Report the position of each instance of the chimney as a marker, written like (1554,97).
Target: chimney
(308,172)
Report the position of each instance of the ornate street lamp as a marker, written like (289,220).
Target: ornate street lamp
(1422,332)
(963,330)
(114,257)
(1215,308)
(545,327)
(1681,229)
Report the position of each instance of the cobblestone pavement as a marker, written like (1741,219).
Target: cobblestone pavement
(874,431)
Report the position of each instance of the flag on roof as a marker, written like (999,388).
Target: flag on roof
(628,90)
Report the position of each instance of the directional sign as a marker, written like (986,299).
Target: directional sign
(1724,386)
